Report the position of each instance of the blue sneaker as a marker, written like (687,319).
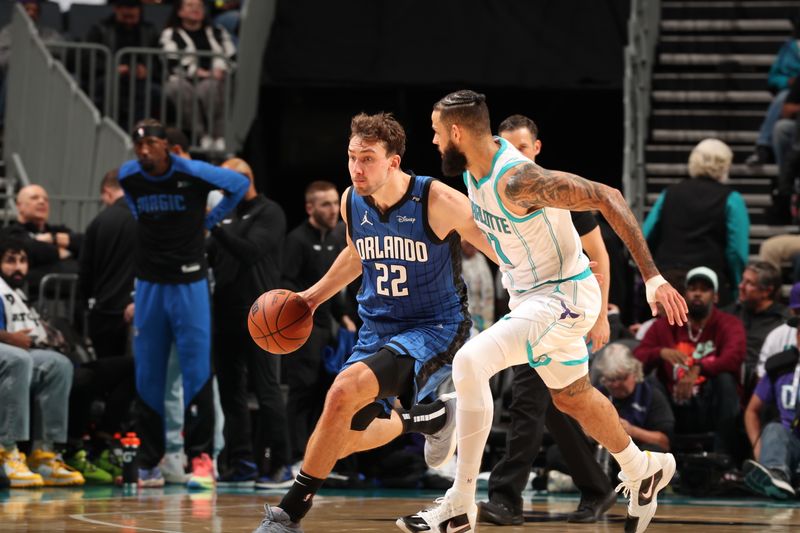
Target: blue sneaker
(244,475)
(151,477)
(280,479)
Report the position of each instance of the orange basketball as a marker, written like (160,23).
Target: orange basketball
(280,321)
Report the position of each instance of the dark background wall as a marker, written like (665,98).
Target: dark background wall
(559,62)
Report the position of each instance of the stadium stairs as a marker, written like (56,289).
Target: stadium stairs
(710,80)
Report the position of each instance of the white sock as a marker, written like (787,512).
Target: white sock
(473,430)
(473,366)
(632,461)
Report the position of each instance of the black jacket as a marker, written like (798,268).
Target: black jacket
(114,36)
(245,254)
(106,272)
(309,254)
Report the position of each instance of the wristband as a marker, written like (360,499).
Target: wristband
(651,285)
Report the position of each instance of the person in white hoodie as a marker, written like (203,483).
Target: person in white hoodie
(200,78)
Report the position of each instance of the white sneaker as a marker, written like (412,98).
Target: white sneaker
(643,492)
(441,446)
(206,142)
(452,514)
(173,468)
(219,144)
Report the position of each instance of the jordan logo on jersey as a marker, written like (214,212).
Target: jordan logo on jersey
(365,220)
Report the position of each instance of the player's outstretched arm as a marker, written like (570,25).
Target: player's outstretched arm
(449,210)
(530,186)
(344,270)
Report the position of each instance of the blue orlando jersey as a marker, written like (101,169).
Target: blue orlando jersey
(410,276)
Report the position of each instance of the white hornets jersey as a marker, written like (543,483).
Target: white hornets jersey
(533,250)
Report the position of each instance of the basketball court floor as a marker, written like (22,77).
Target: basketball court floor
(175,510)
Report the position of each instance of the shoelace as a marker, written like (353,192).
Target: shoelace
(626,487)
(438,501)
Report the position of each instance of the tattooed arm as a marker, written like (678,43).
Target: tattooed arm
(528,187)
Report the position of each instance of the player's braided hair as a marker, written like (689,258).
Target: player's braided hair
(465,108)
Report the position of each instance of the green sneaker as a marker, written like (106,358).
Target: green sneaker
(91,473)
(109,462)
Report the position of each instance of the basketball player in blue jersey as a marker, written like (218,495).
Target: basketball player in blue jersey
(554,302)
(403,237)
(167,195)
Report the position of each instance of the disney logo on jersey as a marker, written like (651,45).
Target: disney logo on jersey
(493,222)
(403,218)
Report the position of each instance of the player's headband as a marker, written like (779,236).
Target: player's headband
(462,98)
(149,131)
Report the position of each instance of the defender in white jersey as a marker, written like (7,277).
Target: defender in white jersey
(522,209)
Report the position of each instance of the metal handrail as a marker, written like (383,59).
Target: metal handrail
(60,50)
(643,31)
(165,58)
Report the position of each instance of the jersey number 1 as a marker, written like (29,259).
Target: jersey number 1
(399,277)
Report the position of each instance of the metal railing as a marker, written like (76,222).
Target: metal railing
(643,31)
(90,65)
(170,93)
(54,135)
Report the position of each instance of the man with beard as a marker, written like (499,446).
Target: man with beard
(554,300)
(403,234)
(699,364)
(167,195)
(33,375)
(311,249)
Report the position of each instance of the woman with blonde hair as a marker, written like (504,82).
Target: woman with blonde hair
(701,221)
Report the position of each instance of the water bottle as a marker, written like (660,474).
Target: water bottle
(130,472)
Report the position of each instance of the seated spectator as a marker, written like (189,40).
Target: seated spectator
(781,78)
(32,374)
(699,364)
(777,446)
(106,271)
(644,410)
(759,311)
(702,221)
(125,28)
(51,248)
(782,337)
(227,14)
(189,30)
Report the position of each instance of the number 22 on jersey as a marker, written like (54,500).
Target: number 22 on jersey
(391,280)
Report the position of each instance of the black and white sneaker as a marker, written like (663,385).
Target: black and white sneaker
(770,483)
(643,492)
(452,514)
(440,446)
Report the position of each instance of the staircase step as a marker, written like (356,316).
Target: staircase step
(721,44)
(696,136)
(679,153)
(709,81)
(706,118)
(682,169)
(760,97)
(693,9)
(765,231)
(684,60)
(752,200)
(694,25)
